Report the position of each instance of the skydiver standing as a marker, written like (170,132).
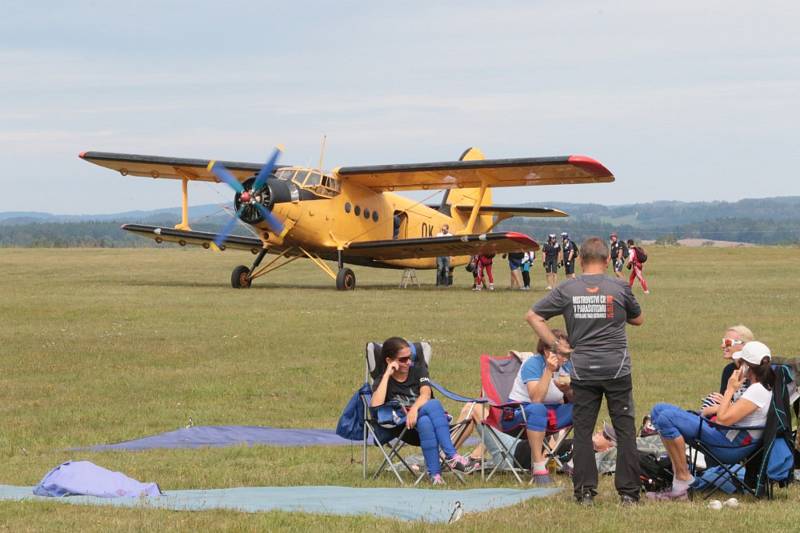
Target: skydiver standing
(550,252)
(569,253)
(619,253)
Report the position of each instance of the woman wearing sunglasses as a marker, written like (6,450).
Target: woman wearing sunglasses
(407,385)
(750,410)
(733,340)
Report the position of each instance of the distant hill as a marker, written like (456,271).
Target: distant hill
(755,220)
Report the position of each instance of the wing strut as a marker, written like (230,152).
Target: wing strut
(473,216)
(185,177)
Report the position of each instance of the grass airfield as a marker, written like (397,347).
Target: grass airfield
(103,345)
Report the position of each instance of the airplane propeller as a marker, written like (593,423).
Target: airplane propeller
(249,197)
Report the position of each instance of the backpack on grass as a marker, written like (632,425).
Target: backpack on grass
(656,472)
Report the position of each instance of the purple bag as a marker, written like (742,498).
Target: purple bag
(83,478)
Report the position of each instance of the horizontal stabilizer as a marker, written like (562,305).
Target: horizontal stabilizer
(513,211)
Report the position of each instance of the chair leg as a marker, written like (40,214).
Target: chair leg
(508,458)
(386,457)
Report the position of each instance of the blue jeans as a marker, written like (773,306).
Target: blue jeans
(673,422)
(541,417)
(442,270)
(434,433)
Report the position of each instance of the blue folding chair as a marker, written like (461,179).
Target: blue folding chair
(386,429)
(767,462)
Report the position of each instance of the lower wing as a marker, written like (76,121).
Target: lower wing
(455,245)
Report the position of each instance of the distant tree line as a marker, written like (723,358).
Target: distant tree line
(107,234)
(722,229)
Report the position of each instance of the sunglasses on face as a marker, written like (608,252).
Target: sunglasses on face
(728,343)
(403,360)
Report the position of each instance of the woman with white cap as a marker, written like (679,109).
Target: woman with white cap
(748,411)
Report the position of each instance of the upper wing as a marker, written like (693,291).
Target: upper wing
(495,172)
(508,211)
(487,243)
(152,166)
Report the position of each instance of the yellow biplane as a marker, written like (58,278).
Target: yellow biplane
(352,215)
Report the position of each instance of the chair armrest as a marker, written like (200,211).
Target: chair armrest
(455,396)
(723,426)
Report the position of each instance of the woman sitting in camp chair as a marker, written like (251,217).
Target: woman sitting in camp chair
(542,387)
(750,410)
(407,387)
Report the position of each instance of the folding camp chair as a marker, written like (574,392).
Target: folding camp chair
(497,380)
(390,437)
(758,479)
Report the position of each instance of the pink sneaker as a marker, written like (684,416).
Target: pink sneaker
(458,462)
(436,479)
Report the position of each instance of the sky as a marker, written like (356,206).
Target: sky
(683,100)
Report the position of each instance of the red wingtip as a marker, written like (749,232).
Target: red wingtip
(82,155)
(524,239)
(590,165)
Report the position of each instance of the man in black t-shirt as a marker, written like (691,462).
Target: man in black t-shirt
(550,252)
(569,253)
(619,252)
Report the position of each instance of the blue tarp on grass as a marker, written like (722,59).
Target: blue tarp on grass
(219,436)
(430,505)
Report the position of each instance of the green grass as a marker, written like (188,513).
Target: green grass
(98,346)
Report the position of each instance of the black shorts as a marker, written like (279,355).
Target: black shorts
(551,267)
(618,264)
(569,268)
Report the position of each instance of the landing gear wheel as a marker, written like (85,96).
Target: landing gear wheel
(240,277)
(345,280)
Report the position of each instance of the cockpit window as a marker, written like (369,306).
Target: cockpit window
(284,174)
(313,179)
(300,177)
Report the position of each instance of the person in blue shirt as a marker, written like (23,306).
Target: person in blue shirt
(542,386)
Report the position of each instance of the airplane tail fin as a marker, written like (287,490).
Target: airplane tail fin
(468,196)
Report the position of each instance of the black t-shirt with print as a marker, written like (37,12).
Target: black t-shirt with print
(407,392)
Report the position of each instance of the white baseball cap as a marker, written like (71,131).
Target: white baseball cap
(753,352)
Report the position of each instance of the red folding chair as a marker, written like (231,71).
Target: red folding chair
(497,379)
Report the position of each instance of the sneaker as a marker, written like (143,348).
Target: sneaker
(669,495)
(436,479)
(628,501)
(473,465)
(458,462)
(647,292)
(491,286)
(476,288)
(585,498)
(542,479)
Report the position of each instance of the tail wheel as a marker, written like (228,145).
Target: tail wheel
(240,277)
(345,280)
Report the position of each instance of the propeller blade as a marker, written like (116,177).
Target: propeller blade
(272,221)
(225,175)
(267,169)
(223,235)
